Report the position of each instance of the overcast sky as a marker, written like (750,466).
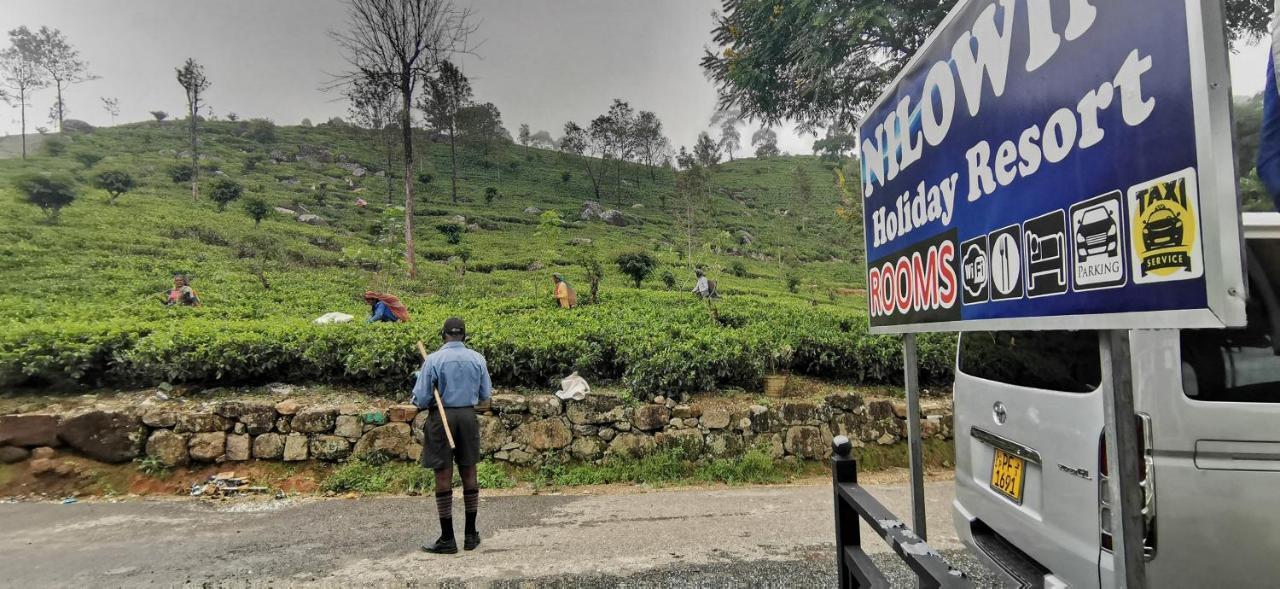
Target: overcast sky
(542,62)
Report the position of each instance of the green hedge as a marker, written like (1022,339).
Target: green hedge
(656,343)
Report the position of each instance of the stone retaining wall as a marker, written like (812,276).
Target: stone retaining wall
(520,429)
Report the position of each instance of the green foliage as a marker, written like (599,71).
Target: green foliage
(257,209)
(252,161)
(637,265)
(180,173)
(261,130)
(49,191)
(452,231)
(55,146)
(490,193)
(152,467)
(737,268)
(793,283)
(492,475)
(669,280)
(115,182)
(671,465)
(360,476)
(224,191)
(87,158)
(566,176)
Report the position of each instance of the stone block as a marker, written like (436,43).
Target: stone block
(402,413)
(330,448)
(28,430)
(798,413)
(586,448)
(295,447)
(314,420)
(13,454)
(845,401)
(194,423)
(595,410)
(632,445)
(715,417)
(43,452)
(689,439)
(544,405)
(651,417)
(157,417)
(258,418)
(287,407)
(169,448)
(806,442)
(348,426)
(683,411)
(268,447)
(546,434)
(105,436)
(237,447)
(392,439)
(508,403)
(722,444)
(207,446)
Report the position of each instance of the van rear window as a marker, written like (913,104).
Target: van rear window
(1066,361)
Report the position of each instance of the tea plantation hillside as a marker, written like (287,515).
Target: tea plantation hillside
(81,297)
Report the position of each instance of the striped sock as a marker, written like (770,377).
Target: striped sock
(471,500)
(444,507)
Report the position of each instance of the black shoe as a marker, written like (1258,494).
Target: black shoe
(471,540)
(442,546)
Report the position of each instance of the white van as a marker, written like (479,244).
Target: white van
(1031,465)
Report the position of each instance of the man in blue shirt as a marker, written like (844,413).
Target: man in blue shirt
(462,377)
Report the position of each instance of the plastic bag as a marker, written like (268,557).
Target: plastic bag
(334,317)
(573,387)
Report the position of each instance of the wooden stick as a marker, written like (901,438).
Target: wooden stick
(444,419)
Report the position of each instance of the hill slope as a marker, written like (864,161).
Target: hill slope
(84,292)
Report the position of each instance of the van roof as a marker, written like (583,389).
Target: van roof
(1262,225)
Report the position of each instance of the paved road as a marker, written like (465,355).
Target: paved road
(760,536)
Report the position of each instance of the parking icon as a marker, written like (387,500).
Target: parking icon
(1097,232)
(975,271)
(1006,263)
(1045,247)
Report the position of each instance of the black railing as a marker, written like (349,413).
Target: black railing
(852,502)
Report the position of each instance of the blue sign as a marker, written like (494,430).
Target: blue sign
(1055,164)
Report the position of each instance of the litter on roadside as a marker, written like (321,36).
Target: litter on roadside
(224,484)
(70,500)
(573,387)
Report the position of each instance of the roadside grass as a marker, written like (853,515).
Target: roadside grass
(937,454)
(377,476)
(6,474)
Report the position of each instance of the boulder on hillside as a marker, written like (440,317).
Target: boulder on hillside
(169,448)
(312,219)
(28,430)
(580,241)
(533,211)
(284,211)
(615,217)
(591,210)
(105,436)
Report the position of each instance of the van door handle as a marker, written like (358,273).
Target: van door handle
(1237,455)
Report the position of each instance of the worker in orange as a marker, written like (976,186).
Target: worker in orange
(564,294)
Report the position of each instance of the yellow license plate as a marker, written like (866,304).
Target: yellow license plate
(1007,473)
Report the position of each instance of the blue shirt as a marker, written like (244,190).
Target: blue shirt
(461,374)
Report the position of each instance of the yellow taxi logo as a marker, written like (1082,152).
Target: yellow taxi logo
(1163,219)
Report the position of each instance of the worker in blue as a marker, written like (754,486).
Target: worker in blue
(462,377)
(1269,143)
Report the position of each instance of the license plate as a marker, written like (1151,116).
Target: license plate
(1007,473)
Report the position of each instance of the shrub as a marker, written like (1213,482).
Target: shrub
(425,178)
(224,191)
(55,146)
(490,193)
(180,173)
(306,123)
(87,158)
(50,192)
(452,231)
(637,265)
(565,176)
(115,182)
(793,283)
(262,130)
(252,161)
(738,269)
(669,280)
(257,209)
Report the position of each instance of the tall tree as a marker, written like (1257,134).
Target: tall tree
(21,74)
(578,141)
(653,147)
(766,142)
(480,125)
(823,63)
(402,42)
(191,77)
(706,151)
(62,64)
(375,105)
(730,137)
(836,145)
(618,133)
(112,106)
(447,93)
(693,187)
(526,137)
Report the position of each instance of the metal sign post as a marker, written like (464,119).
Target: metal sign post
(1123,456)
(911,378)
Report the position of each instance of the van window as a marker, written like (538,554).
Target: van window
(1237,365)
(1067,361)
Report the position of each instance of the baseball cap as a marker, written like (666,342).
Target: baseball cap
(454,326)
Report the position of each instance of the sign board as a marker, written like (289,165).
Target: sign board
(1056,164)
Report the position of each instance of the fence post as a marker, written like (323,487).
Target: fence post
(844,470)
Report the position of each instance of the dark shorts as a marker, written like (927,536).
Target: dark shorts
(466,439)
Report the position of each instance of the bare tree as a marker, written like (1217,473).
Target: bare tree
(444,97)
(62,63)
(375,105)
(191,77)
(20,74)
(402,42)
(112,106)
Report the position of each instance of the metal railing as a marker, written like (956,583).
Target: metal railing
(852,502)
